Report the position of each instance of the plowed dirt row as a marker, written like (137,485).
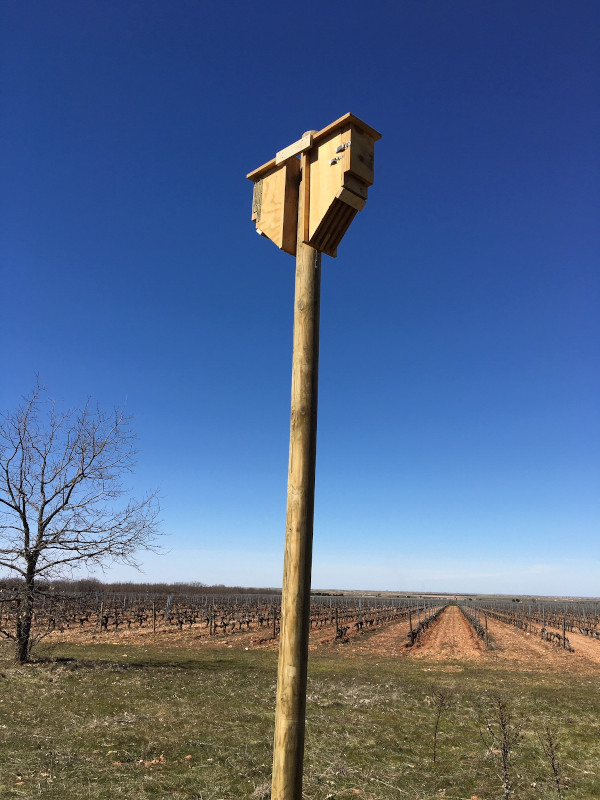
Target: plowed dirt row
(512,644)
(388,642)
(451,637)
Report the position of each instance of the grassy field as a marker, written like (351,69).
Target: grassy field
(105,721)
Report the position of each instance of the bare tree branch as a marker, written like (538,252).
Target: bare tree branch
(62,497)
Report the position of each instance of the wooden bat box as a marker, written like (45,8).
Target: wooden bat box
(339,167)
(341,170)
(275,204)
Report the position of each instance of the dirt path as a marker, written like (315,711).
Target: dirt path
(451,637)
(388,642)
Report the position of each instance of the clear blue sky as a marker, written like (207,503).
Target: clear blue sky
(459,402)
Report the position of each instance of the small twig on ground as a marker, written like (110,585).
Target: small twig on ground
(442,698)
(549,743)
(502,738)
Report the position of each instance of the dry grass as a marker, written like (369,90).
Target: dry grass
(98,721)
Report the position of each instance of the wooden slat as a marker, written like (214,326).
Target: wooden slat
(344,122)
(304,202)
(362,156)
(258,173)
(351,199)
(294,149)
(356,187)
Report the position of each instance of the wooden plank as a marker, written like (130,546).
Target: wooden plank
(355,186)
(348,197)
(304,203)
(290,209)
(260,171)
(294,149)
(362,156)
(345,121)
(275,204)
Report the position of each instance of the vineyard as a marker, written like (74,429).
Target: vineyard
(254,618)
(550,621)
(211,616)
(387,624)
(171,692)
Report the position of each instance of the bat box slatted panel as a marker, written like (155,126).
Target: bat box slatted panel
(332,228)
(275,204)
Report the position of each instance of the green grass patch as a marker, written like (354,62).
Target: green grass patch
(104,721)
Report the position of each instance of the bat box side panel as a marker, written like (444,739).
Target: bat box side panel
(362,156)
(275,204)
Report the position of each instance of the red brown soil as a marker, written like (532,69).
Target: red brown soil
(514,645)
(389,641)
(450,638)
(585,647)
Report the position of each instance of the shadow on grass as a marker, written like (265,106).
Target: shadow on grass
(119,658)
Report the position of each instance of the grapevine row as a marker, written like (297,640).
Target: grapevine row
(206,614)
(534,621)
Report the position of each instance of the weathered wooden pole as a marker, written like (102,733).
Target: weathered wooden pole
(288,749)
(305,207)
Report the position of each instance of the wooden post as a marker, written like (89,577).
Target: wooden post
(288,750)
(341,159)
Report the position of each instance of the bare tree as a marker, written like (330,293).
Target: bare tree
(62,499)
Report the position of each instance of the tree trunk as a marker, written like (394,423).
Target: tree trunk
(25,618)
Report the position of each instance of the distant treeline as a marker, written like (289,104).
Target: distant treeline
(95,586)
